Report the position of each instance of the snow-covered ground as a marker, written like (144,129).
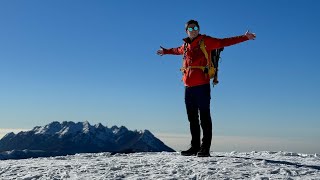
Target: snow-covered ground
(234,165)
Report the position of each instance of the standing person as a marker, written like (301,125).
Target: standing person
(197,83)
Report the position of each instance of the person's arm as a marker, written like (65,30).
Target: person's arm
(215,43)
(174,51)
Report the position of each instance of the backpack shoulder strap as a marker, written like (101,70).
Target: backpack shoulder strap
(203,49)
(185,45)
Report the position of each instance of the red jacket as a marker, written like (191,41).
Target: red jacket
(195,57)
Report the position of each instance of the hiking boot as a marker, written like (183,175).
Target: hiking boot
(190,152)
(204,152)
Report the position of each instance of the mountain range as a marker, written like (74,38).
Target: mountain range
(68,138)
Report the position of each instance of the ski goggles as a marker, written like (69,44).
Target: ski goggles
(190,29)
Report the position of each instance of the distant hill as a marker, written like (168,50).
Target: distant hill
(70,138)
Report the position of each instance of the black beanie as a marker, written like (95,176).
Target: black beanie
(192,22)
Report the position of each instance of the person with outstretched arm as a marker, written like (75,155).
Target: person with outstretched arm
(197,83)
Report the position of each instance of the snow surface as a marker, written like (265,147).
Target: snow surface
(165,165)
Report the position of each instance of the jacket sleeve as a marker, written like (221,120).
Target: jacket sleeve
(174,51)
(215,43)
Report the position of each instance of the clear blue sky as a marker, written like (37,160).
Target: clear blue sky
(96,60)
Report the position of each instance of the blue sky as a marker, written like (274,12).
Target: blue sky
(96,61)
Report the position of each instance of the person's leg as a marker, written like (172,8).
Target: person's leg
(193,117)
(203,99)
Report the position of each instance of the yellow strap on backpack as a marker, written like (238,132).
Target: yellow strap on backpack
(210,66)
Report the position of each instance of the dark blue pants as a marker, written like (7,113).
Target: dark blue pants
(197,100)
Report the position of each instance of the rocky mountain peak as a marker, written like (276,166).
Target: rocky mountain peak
(69,138)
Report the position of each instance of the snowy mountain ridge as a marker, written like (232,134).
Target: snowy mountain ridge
(66,127)
(70,138)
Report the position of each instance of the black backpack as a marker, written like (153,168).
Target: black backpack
(215,57)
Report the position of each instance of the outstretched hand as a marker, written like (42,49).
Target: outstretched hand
(160,51)
(250,36)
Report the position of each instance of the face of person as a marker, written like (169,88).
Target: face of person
(192,31)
